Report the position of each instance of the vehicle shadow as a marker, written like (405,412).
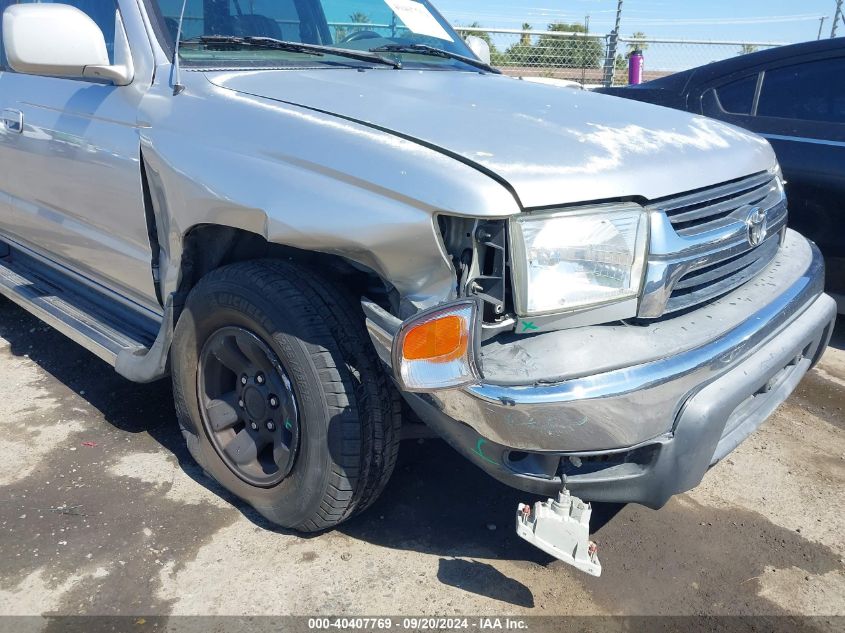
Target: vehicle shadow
(128,407)
(436,503)
(439,503)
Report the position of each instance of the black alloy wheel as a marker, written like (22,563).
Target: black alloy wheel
(280,394)
(248,406)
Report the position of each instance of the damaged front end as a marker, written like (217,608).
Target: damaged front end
(616,409)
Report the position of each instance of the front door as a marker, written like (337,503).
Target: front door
(72,170)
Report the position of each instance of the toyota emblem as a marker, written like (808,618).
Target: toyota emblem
(756,223)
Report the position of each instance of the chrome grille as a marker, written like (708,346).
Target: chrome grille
(713,281)
(701,245)
(709,208)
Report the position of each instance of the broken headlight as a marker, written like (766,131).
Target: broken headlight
(578,259)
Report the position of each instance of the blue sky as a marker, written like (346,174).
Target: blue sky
(756,20)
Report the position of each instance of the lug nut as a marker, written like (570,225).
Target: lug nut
(244,379)
(260,379)
(274,401)
(253,426)
(241,404)
(271,426)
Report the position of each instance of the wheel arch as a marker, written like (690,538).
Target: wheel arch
(207,247)
(196,225)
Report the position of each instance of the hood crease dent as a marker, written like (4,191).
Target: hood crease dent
(546,145)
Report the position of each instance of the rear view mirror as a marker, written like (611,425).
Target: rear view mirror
(480,47)
(58,40)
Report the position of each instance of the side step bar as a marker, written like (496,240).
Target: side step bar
(100,325)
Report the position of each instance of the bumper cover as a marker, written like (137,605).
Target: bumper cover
(643,431)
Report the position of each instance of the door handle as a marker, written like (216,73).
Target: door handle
(13,120)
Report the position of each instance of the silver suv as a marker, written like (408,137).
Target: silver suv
(301,210)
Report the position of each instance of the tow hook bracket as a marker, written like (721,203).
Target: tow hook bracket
(561,528)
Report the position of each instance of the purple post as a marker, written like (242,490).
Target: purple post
(635,68)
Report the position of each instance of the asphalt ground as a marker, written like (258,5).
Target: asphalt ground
(103,512)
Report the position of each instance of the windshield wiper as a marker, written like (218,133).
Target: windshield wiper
(425,49)
(293,47)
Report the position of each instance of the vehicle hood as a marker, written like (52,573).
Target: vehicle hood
(552,145)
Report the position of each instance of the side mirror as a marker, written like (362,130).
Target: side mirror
(480,47)
(60,41)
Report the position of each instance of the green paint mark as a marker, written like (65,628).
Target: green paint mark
(477,451)
(288,425)
(527,326)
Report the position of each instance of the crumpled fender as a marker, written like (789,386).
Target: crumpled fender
(307,180)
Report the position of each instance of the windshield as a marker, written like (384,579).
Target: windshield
(355,25)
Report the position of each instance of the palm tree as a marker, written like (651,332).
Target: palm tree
(639,43)
(525,38)
(356,18)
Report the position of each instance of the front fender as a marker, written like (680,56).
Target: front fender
(307,180)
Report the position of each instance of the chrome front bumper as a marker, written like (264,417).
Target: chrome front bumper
(691,386)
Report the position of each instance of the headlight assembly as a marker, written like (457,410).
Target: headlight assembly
(572,260)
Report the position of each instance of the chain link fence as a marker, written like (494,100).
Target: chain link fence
(587,58)
(583,57)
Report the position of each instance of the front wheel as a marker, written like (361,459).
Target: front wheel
(280,395)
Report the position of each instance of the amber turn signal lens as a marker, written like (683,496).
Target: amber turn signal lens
(442,339)
(436,349)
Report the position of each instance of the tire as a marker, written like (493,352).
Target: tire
(347,437)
